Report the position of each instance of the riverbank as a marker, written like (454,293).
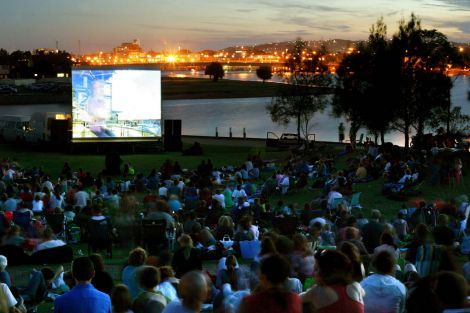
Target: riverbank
(173,88)
(200,88)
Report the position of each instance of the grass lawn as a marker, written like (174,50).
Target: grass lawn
(371,198)
(52,162)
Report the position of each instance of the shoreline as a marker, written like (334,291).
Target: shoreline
(240,141)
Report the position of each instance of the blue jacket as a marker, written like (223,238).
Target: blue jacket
(83,298)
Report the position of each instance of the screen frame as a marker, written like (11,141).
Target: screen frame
(123,67)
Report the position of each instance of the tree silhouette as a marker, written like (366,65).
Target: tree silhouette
(264,72)
(423,86)
(295,61)
(21,64)
(299,100)
(4,58)
(215,71)
(400,85)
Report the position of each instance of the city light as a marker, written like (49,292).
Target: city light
(170,58)
(235,58)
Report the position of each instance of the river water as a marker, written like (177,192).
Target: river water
(202,116)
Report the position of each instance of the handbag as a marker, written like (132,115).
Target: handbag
(226,242)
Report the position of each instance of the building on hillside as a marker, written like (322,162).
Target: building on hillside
(45,51)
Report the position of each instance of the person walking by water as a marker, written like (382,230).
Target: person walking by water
(341,132)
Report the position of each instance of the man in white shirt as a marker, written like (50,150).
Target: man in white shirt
(49,241)
(238,193)
(10,174)
(248,165)
(219,196)
(81,198)
(163,191)
(284,184)
(47,184)
(332,195)
(10,299)
(181,184)
(384,293)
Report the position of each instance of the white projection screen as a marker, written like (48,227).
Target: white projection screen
(116,103)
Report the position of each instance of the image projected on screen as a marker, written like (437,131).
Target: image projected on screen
(116,103)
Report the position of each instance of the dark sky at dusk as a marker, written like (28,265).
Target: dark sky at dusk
(214,24)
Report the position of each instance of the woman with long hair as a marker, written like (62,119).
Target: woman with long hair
(186,258)
(334,291)
(352,252)
(225,226)
(302,258)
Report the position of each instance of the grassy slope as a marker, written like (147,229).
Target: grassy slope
(52,162)
(197,88)
(371,198)
(220,155)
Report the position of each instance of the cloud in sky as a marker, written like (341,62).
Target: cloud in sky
(100,25)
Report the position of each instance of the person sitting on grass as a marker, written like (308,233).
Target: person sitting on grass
(14,237)
(49,241)
(384,293)
(228,275)
(244,229)
(4,275)
(335,291)
(136,259)
(186,258)
(193,291)
(83,297)
(302,258)
(271,295)
(8,301)
(121,299)
(169,283)
(102,280)
(149,300)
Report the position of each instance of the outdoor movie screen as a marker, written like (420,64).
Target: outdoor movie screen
(116,103)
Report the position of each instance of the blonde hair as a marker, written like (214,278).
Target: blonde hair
(186,242)
(225,221)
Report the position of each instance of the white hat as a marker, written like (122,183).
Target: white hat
(3,262)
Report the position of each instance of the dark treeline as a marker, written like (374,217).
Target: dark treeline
(24,64)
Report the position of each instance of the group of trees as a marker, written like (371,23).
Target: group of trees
(398,84)
(24,64)
(307,84)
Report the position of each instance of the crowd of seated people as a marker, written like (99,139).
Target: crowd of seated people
(293,274)
(211,211)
